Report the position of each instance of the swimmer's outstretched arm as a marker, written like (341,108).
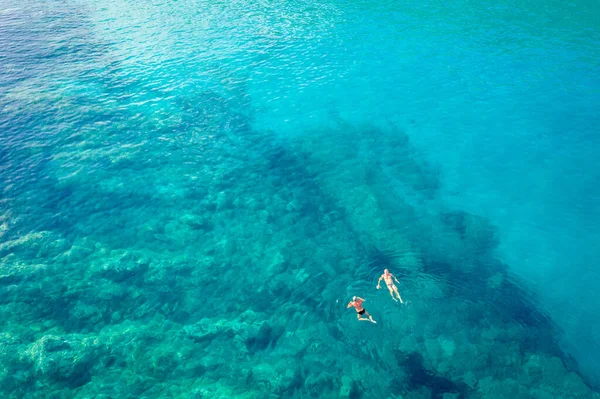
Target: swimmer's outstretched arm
(395,279)
(349,304)
(379,282)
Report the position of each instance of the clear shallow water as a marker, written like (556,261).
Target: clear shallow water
(192,191)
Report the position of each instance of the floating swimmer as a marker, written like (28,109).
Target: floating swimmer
(387,276)
(357,303)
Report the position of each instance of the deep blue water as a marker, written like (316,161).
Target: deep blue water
(192,192)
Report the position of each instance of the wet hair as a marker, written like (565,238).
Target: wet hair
(354,298)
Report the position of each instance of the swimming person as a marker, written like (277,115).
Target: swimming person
(357,303)
(387,276)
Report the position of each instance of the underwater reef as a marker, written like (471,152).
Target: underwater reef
(210,260)
(173,250)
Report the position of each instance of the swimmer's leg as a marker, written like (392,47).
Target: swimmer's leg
(370,317)
(392,293)
(397,293)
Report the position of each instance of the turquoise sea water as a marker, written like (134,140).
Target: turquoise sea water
(192,192)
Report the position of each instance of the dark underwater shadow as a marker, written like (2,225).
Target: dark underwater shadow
(471,272)
(420,376)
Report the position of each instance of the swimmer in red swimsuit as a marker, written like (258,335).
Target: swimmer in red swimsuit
(387,276)
(357,303)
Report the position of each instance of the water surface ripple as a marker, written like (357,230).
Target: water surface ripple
(193,191)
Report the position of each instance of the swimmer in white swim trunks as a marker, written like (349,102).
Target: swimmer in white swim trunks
(387,276)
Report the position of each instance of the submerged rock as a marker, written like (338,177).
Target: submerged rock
(65,359)
(448,346)
(122,266)
(206,330)
(348,388)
